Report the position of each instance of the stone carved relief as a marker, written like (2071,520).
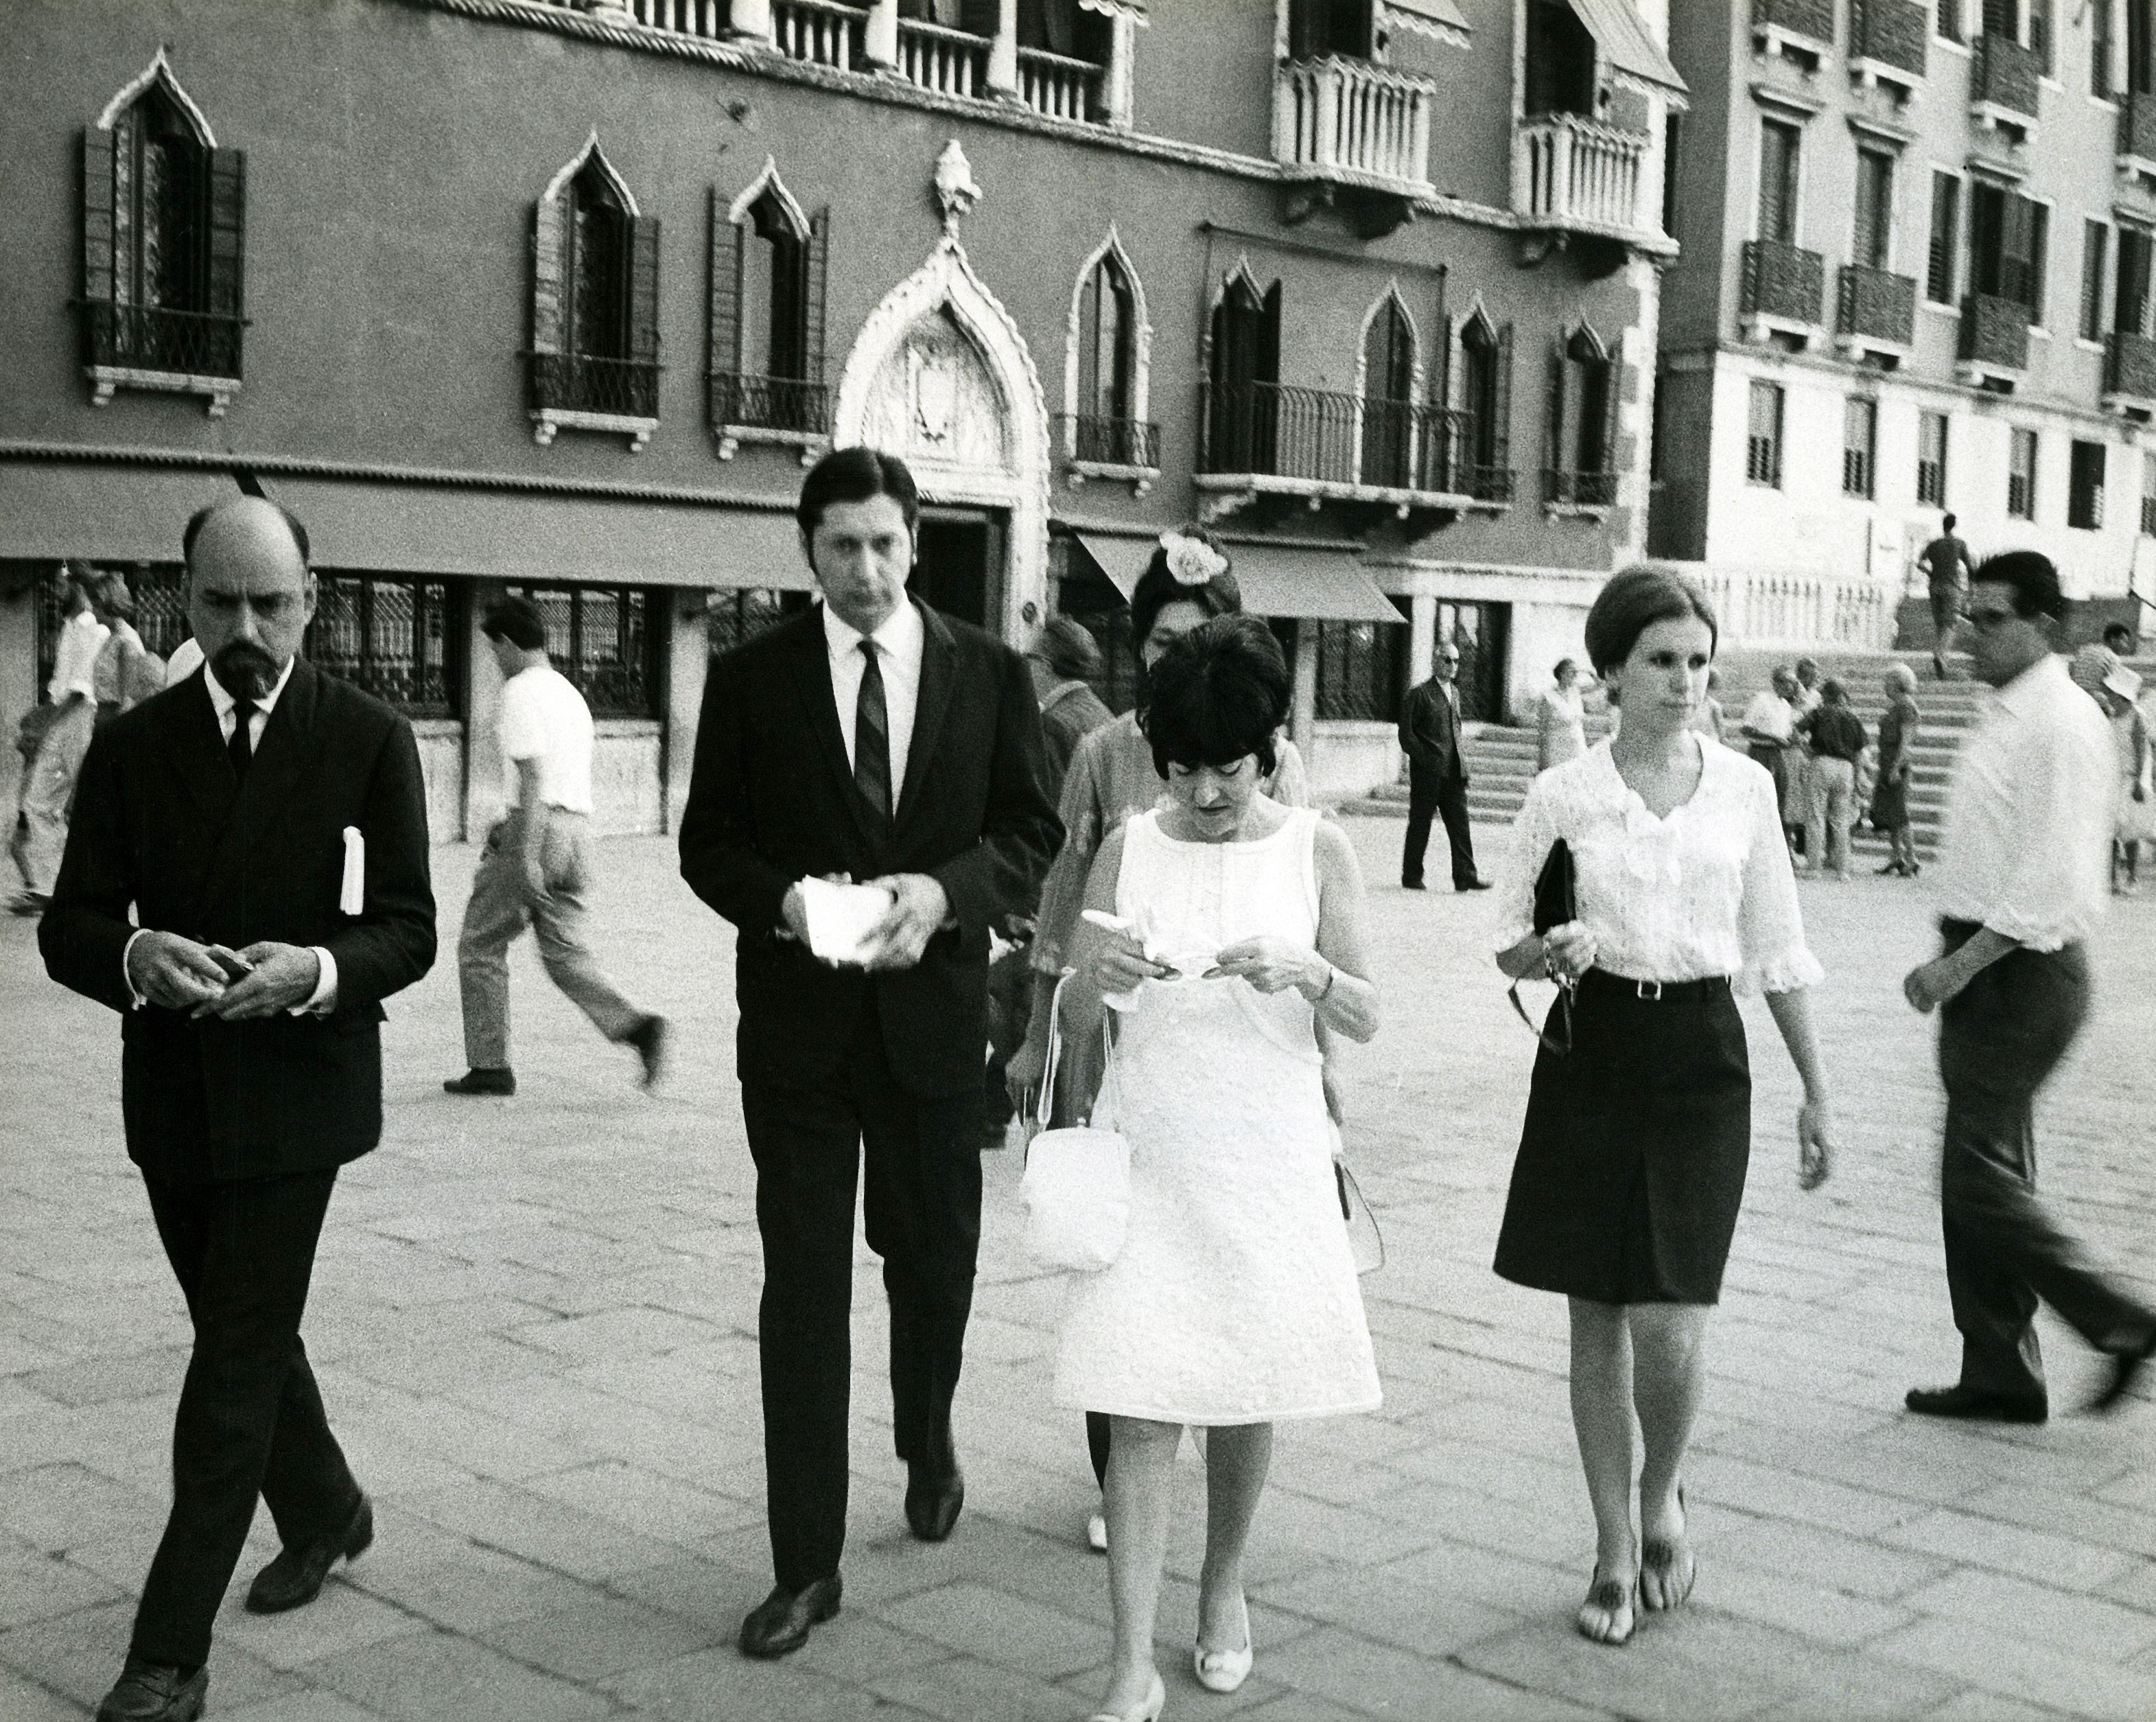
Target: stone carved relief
(934,400)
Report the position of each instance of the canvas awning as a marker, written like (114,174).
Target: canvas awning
(1623,36)
(110,512)
(1444,13)
(1323,581)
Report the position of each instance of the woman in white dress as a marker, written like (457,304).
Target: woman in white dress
(1234,1304)
(1562,718)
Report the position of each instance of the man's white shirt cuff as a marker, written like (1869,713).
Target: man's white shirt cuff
(136,998)
(320,1002)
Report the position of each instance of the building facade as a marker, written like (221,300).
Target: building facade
(561,298)
(1916,279)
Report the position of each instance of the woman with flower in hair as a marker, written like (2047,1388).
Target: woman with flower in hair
(1112,777)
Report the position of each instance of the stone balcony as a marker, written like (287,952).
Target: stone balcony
(1888,42)
(1875,312)
(1782,290)
(1575,176)
(1348,132)
(2130,374)
(2005,82)
(1994,341)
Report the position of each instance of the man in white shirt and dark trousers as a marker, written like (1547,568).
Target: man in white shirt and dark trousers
(2020,888)
(50,770)
(536,869)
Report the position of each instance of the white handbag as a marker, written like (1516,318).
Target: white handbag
(1076,1185)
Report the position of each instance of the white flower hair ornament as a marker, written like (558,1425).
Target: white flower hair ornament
(1192,562)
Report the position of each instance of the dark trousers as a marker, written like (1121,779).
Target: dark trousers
(1999,1038)
(923,1207)
(250,1420)
(1447,798)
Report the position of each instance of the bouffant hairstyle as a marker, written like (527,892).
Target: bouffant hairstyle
(1218,694)
(853,475)
(112,596)
(2034,581)
(1833,693)
(1157,588)
(1067,646)
(1632,603)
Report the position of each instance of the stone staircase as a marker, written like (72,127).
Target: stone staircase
(1500,761)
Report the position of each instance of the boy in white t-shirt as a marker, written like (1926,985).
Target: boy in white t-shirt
(536,868)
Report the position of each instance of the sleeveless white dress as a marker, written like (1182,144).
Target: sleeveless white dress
(1234,1299)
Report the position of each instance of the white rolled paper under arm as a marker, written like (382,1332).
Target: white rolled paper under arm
(352,895)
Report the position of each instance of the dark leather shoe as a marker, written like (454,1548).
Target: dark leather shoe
(780,1624)
(1959,1401)
(482,1082)
(649,1037)
(294,1578)
(932,1501)
(1474,885)
(2127,1362)
(1413,885)
(154,1692)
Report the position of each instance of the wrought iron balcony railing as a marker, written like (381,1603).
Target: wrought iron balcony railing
(153,337)
(1483,482)
(585,382)
(1877,303)
(1784,281)
(2129,365)
(770,404)
(1995,332)
(2005,75)
(1110,442)
(1581,489)
(1287,432)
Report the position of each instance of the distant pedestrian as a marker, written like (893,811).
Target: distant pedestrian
(1632,1160)
(127,672)
(1890,794)
(1711,720)
(1946,574)
(1810,689)
(1431,736)
(1836,739)
(54,738)
(245,882)
(2020,891)
(1065,661)
(538,868)
(1770,729)
(2118,637)
(1803,702)
(1561,719)
(2135,823)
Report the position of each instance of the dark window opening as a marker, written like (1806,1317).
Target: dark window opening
(1780,153)
(1388,398)
(1875,208)
(1763,438)
(2021,474)
(1560,61)
(2096,244)
(1108,370)
(1486,398)
(1860,446)
(2130,301)
(2084,487)
(1318,28)
(1945,222)
(1582,428)
(1242,420)
(2007,235)
(1932,460)
(1361,669)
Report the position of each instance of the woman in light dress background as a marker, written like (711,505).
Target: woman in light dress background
(1111,775)
(1562,725)
(1632,1159)
(1234,1304)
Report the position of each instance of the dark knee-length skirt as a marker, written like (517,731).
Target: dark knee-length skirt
(1632,1160)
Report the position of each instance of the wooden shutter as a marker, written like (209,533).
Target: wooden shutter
(1613,376)
(2017,251)
(98,281)
(1553,419)
(228,232)
(1946,212)
(547,249)
(643,289)
(723,351)
(814,293)
(1501,407)
(1998,18)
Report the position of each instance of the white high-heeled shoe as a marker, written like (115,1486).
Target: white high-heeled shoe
(1224,1670)
(1156,1701)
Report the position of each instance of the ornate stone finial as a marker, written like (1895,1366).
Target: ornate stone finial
(955,189)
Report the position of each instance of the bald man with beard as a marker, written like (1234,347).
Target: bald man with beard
(267,826)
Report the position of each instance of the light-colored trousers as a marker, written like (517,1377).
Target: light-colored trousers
(498,912)
(48,794)
(1833,811)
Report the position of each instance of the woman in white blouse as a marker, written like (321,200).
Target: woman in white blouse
(1632,1160)
(1562,719)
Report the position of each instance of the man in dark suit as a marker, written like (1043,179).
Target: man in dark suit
(268,827)
(874,739)
(1437,773)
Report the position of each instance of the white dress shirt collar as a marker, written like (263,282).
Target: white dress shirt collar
(901,641)
(899,637)
(223,701)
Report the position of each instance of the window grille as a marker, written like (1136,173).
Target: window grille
(736,618)
(2084,487)
(390,635)
(1362,670)
(601,638)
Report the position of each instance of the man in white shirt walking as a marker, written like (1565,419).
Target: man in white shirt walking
(50,772)
(536,869)
(2020,889)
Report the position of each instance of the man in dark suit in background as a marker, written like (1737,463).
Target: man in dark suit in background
(1437,773)
(874,739)
(268,827)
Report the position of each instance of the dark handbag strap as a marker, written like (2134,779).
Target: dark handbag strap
(1551,1044)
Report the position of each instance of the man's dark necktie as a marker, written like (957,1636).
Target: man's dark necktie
(240,748)
(872,736)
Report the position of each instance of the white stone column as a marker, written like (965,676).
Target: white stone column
(748,22)
(688,650)
(1117,92)
(1302,726)
(485,800)
(1003,52)
(880,42)
(1422,637)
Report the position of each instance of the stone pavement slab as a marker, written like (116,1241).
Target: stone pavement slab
(535,1324)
